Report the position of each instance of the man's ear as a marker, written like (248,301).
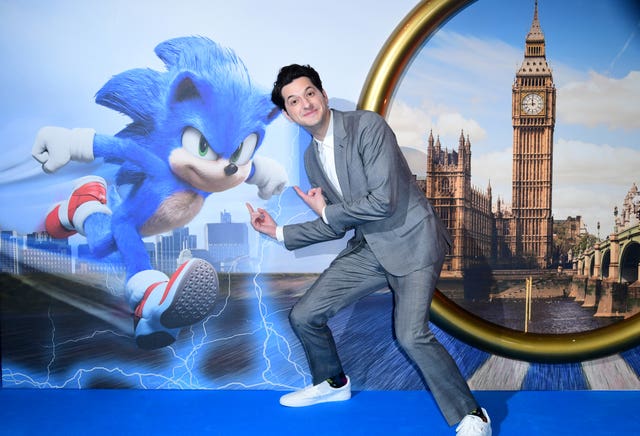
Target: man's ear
(286,115)
(326,97)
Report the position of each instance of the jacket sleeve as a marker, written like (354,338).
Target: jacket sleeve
(307,233)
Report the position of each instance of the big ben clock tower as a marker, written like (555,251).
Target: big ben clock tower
(533,113)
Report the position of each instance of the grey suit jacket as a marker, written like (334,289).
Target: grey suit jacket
(380,200)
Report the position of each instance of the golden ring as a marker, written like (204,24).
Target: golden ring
(421,22)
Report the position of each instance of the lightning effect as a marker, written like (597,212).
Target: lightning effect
(272,334)
(230,349)
(186,364)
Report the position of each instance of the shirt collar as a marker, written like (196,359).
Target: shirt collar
(328,137)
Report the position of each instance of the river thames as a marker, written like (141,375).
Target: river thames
(503,302)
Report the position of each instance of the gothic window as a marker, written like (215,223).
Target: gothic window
(444,185)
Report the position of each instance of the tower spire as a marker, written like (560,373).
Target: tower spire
(535,37)
(535,33)
(535,57)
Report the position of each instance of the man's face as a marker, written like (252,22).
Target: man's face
(307,106)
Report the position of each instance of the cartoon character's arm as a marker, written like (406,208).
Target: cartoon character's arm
(54,147)
(269,176)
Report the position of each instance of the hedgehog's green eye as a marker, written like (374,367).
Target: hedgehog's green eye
(195,143)
(203,146)
(243,153)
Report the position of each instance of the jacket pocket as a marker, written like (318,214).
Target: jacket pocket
(415,216)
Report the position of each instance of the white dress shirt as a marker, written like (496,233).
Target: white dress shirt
(328,161)
(327,156)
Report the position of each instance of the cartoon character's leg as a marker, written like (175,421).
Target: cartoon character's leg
(89,196)
(161,305)
(164,305)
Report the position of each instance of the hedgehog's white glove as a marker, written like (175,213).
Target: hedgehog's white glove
(56,146)
(269,176)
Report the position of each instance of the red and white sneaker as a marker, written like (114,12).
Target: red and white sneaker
(67,218)
(164,305)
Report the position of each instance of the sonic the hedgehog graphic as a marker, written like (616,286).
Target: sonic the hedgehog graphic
(195,130)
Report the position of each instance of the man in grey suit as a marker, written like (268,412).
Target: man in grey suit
(361,181)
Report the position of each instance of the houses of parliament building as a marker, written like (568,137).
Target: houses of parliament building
(520,236)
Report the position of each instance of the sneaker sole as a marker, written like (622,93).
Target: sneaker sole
(195,297)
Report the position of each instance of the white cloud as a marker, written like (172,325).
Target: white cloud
(590,179)
(593,202)
(412,125)
(452,123)
(601,100)
(583,163)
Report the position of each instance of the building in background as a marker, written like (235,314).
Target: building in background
(464,209)
(227,243)
(516,236)
(9,253)
(169,247)
(533,114)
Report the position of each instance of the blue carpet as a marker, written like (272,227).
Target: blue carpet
(196,412)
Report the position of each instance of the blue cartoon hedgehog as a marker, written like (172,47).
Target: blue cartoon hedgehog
(195,129)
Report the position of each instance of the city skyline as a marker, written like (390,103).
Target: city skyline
(224,248)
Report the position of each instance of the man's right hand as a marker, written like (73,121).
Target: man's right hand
(262,222)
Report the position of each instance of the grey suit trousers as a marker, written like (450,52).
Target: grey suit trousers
(357,274)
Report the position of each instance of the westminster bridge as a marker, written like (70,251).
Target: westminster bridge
(606,275)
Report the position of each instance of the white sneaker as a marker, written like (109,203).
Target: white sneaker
(321,393)
(472,425)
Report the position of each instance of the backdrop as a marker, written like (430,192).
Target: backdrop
(66,317)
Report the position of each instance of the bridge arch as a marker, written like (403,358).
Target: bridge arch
(629,260)
(604,264)
(590,264)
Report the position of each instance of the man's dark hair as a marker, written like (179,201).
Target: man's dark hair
(287,75)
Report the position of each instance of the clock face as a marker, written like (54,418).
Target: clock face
(532,104)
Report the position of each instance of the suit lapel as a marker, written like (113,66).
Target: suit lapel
(318,176)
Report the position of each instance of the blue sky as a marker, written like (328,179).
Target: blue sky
(461,80)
